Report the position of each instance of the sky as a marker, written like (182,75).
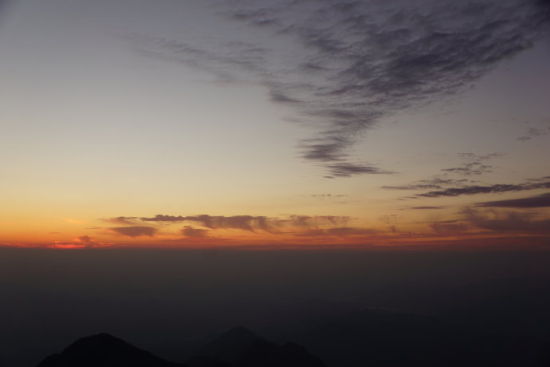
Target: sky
(262,125)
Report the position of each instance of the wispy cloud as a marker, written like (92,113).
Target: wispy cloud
(484,189)
(457,176)
(474,164)
(355,62)
(539,201)
(541,129)
(533,133)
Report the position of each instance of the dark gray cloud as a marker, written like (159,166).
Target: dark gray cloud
(417,186)
(135,231)
(539,201)
(345,65)
(429,184)
(350,169)
(488,189)
(474,164)
(192,232)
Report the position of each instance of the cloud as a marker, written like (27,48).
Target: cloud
(343,66)
(419,186)
(338,232)
(189,231)
(79,243)
(449,227)
(350,169)
(251,223)
(135,231)
(533,132)
(539,201)
(474,164)
(329,196)
(509,221)
(164,218)
(243,222)
(122,220)
(427,207)
(430,183)
(488,189)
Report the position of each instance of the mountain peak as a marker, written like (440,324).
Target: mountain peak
(103,350)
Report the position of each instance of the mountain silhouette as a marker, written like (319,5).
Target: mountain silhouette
(241,347)
(104,350)
(238,347)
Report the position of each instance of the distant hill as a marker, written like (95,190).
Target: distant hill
(238,347)
(365,338)
(106,351)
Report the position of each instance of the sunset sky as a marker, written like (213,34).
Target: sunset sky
(275,124)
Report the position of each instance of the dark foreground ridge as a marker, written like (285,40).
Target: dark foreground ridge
(238,347)
(104,350)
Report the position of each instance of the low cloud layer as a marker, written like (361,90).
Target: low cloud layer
(508,221)
(427,207)
(251,223)
(192,232)
(135,231)
(82,242)
(338,232)
(346,65)
(452,227)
